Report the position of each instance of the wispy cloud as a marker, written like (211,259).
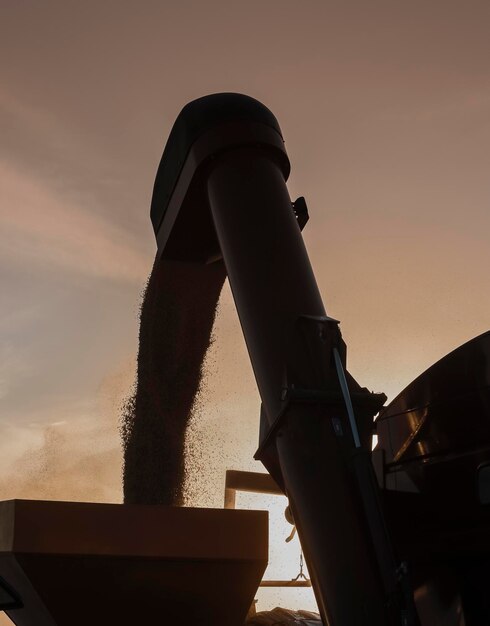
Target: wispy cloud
(75,459)
(40,226)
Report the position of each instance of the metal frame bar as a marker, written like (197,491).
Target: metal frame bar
(257,482)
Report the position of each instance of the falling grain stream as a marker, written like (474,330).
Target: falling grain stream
(176,322)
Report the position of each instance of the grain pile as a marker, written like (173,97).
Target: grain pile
(176,323)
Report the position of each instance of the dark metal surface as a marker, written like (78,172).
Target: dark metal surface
(273,286)
(74,564)
(235,174)
(195,119)
(8,597)
(435,439)
(268,267)
(445,410)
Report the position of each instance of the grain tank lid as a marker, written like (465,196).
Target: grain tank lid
(196,118)
(463,371)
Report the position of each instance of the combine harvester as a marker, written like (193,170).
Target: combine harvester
(397,538)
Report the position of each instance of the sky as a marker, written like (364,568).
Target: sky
(385,109)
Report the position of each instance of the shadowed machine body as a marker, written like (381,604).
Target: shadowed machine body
(393,538)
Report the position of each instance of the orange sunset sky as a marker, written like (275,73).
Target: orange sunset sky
(385,109)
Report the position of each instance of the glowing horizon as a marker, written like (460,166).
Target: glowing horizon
(384,109)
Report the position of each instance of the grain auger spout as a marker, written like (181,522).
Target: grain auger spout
(220,196)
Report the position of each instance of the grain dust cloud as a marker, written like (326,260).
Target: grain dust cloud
(176,322)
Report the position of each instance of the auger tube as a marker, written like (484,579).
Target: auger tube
(226,196)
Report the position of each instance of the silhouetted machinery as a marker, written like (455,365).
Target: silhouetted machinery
(397,538)
(419,524)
